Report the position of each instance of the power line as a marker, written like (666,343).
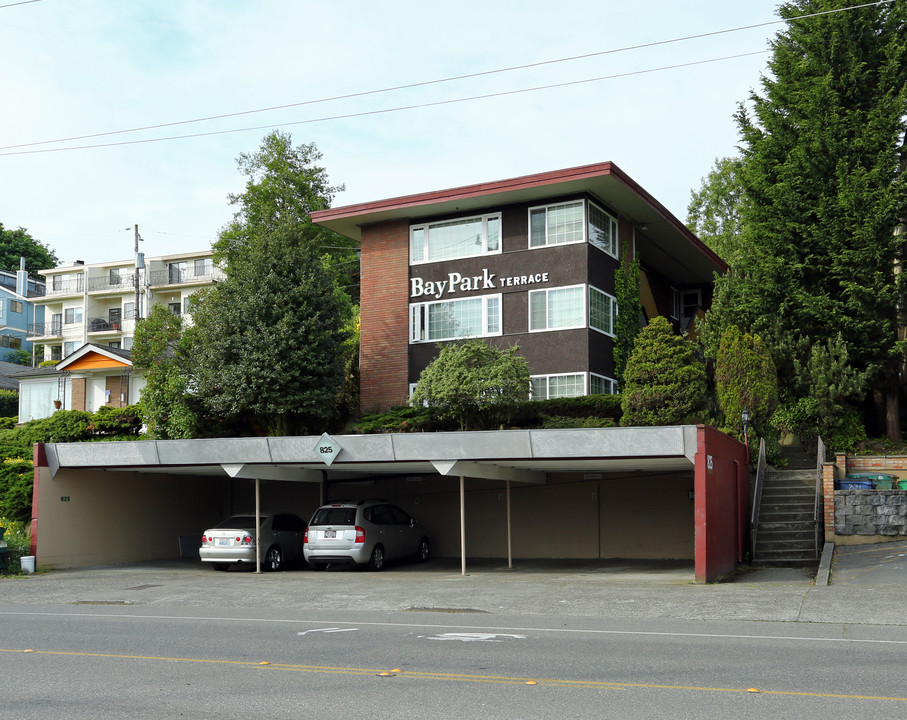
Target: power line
(400,108)
(425,83)
(23,2)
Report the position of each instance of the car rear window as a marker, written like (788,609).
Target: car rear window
(334,516)
(242,522)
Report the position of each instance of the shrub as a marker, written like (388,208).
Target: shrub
(475,384)
(664,383)
(9,403)
(18,540)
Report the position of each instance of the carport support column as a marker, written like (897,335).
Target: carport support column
(509,543)
(257,525)
(462,525)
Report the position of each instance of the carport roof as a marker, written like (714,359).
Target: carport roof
(518,455)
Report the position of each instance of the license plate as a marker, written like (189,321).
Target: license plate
(223,541)
(330,534)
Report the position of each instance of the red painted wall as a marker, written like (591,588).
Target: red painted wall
(721,502)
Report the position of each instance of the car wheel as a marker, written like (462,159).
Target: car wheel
(220,566)
(376,561)
(423,550)
(273,559)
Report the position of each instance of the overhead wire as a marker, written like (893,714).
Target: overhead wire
(365,113)
(415,85)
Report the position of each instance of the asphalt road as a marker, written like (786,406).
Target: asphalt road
(610,640)
(125,662)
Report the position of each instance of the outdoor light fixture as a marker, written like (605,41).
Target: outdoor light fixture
(746,421)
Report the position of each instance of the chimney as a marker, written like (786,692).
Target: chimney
(22,279)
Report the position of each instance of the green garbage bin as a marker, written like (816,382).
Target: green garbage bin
(902,484)
(882,481)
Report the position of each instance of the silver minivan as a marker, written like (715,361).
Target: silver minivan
(369,533)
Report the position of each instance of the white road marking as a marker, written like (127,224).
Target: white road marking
(472,637)
(327,630)
(567,631)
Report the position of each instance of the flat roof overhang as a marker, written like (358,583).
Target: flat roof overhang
(666,244)
(525,456)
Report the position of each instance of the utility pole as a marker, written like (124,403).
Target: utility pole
(139,263)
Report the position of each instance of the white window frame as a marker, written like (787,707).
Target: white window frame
(418,319)
(584,308)
(613,242)
(613,246)
(425,228)
(16,306)
(610,382)
(73,311)
(613,301)
(547,379)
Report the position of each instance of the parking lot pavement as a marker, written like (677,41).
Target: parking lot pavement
(866,588)
(876,564)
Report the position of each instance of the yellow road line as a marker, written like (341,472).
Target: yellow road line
(456,677)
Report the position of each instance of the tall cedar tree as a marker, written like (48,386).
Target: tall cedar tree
(271,340)
(824,156)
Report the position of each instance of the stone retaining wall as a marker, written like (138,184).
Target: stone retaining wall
(871,512)
(857,516)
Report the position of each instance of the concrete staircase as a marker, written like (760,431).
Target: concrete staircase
(786,536)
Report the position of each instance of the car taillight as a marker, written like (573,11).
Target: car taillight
(305,538)
(360,534)
(245,540)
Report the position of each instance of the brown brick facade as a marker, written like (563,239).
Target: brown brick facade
(383,362)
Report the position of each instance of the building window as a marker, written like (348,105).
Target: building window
(573,222)
(455,319)
(176,308)
(602,230)
(127,343)
(204,267)
(56,323)
(545,387)
(601,385)
(15,306)
(461,238)
(177,272)
(129,311)
(115,344)
(557,308)
(602,311)
(119,276)
(70,347)
(11,341)
(72,315)
(556,224)
(692,301)
(56,352)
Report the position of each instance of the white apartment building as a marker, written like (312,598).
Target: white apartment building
(99,303)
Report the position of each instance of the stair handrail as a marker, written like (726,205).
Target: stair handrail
(820,460)
(757,496)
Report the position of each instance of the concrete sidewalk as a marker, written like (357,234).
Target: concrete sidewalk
(582,589)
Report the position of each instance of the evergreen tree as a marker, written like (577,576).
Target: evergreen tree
(664,383)
(745,377)
(629,311)
(823,171)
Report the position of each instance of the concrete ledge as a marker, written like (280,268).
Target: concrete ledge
(822,575)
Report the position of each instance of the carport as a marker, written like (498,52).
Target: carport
(102,503)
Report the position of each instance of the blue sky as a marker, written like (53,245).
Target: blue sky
(81,67)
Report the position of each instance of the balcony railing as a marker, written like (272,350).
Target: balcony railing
(182,277)
(51,329)
(112,282)
(101,324)
(66,287)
